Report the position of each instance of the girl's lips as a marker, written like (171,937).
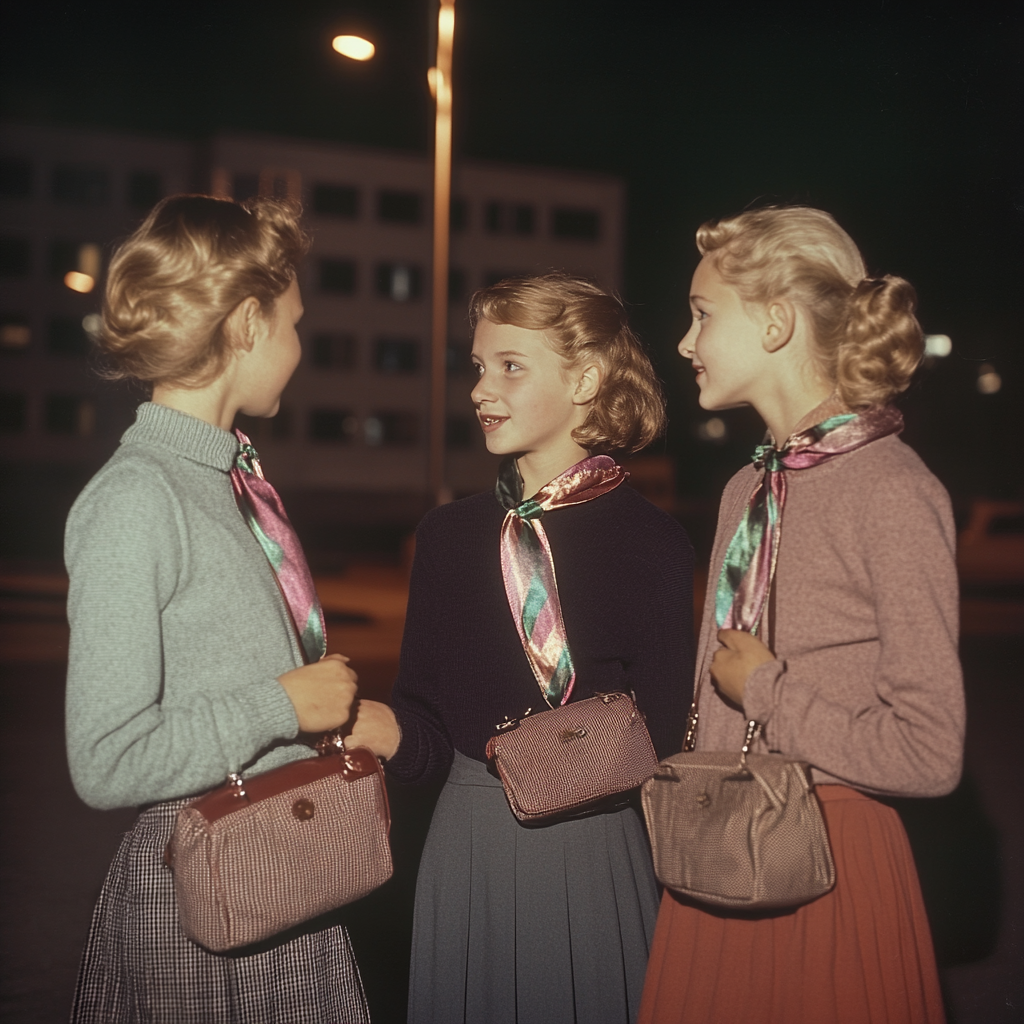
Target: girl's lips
(489,423)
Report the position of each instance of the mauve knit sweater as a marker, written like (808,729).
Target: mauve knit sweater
(866,685)
(624,571)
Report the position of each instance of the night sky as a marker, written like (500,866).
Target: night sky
(903,120)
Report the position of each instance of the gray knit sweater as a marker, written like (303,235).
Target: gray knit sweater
(178,629)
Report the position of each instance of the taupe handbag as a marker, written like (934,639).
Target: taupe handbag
(578,759)
(257,856)
(737,830)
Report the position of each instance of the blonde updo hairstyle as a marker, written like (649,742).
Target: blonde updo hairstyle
(584,323)
(868,341)
(173,284)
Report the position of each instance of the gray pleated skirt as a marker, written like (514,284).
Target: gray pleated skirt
(528,925)
(139,967)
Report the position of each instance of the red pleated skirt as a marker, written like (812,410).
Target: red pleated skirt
(860,954)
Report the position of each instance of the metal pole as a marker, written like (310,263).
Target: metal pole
(441,80)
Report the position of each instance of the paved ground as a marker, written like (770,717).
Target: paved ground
(969,846)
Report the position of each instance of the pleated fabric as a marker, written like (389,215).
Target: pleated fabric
(862,954)
(138,967)
(528,925)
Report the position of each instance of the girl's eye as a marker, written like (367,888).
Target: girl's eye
(478,369)
(512,366)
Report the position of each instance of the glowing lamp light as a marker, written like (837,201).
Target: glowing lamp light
(989,382)
(79,282)
(713,429)
(937,346)
(92,324)
(354,47)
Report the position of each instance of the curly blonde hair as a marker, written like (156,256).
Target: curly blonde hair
(583,322)
(868,340)
(174,282)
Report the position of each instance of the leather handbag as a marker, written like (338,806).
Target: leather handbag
(574,760)
(257,856)
(742,831)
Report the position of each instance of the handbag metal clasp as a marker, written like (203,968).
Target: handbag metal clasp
(238,784)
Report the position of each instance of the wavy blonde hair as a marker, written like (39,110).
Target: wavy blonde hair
(172,285)
(583,322)
(868,340)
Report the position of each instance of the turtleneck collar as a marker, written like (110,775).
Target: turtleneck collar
(185,435)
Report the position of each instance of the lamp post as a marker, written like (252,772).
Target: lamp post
(439,78)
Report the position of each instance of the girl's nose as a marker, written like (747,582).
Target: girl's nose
(481,392)
(686,345)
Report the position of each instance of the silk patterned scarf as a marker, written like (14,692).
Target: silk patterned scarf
(749,566)
(529,570)
(264,514)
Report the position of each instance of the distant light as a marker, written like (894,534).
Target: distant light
(938,345)
(92,324)
(89,260)
(79,282)
(15,335)
(354,47)
(401,284)
(713,429)
(989,382)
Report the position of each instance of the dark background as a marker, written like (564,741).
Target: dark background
(902,119)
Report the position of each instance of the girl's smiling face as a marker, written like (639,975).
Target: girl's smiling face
(725,342)
(524,397)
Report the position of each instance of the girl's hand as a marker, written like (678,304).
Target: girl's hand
(321,693)
(732,664)
(375,727)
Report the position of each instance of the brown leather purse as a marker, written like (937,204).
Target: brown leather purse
(574,760)
(260,855)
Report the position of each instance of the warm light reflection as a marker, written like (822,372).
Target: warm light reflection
(989,382)
(354,47)
(79,282)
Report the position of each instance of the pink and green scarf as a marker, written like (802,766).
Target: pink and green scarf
(529,570)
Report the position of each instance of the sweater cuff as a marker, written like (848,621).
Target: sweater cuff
(759,693)
(273,712)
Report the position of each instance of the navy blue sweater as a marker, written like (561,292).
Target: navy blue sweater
(625,581)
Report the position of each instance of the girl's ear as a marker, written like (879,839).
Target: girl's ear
(242,324)
(588,383)
(780,323)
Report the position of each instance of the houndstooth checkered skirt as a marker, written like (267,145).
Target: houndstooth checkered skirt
(139,967)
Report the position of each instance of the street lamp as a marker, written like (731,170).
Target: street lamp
(354,47)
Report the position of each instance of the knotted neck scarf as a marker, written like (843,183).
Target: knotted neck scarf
(749,566)
(529,570)
(264,514)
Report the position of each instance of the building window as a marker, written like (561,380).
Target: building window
(338,276)
(15,178)
(399,207)
(333,351)
(13,412)
(493,218)
(509,218)
(396,355)
(15,257)
(523,219)
(144,190)
(281,424)
(70,414)
(579,225)
(244,186)
(456,284)
(15,333)
(336,201)
(398,281)
(459,432)
(338,426)
(80,184)
(458,215)
(456,359)
(66,336)
(400,429)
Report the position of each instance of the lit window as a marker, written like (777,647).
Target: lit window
(338,276)
(15,257)
(398,281)
(80,184)
(144,190)
(65,336)
(399,207)
(400,429)
(70,414)
(338,426)
(15,333)
(333,351)
(579,225)
(13,412)
(396,355)
(15,178)
(336,201)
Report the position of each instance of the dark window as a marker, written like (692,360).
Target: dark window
(399,207)
(401,429)
(338,276)
(81,184)
(396,355)
(398,281)
(523,218)
(335,200)
(63,258)
(333,351)
(144,190)
(581,225)
(66,337)
(281,424)
(1006,526)
(456,284)
(13,412)
(15,257)
(456,359)
(336,425)
(15,178)
(493,218)
(70,414)
(459,432)
(458,216)
(15,333)
(244,186)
